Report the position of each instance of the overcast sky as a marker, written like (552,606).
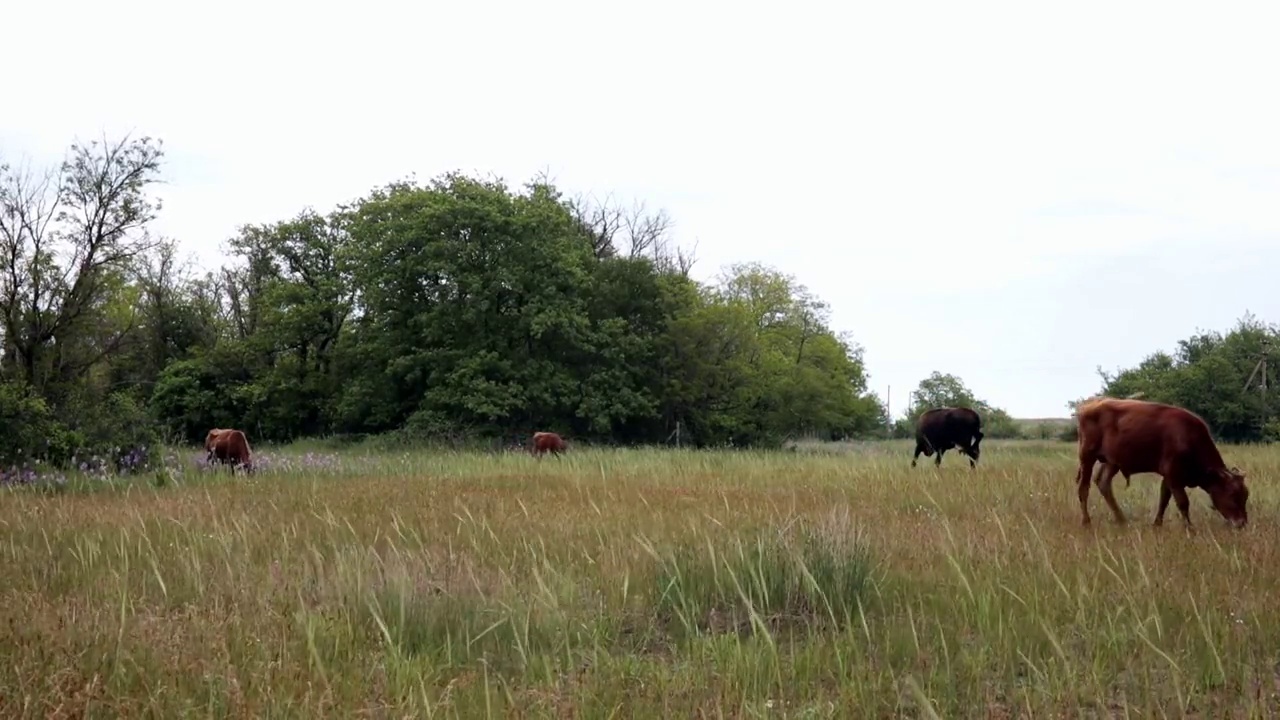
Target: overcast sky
(1006,192)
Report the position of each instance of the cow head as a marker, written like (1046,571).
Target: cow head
(1230,496)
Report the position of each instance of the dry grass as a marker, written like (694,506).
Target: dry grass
(831,582)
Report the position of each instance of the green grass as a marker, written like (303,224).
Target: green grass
(834,581)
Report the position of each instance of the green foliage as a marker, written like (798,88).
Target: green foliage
(31,431)
(74,304)
(457,310)
(489,312)
(67,243)
(1207,374)
(114,431)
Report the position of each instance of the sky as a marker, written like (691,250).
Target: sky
(1012,192)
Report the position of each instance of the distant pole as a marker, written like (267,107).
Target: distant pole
(1260,372)
(888,410)
(1262,384)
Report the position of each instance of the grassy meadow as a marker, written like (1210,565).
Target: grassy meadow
(834,581)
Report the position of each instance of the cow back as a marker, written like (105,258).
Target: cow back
(232,445)
(949,424)
(1142,436)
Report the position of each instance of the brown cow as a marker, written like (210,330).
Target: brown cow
(544,442)
(1138,436)
(208,442)
(229,447)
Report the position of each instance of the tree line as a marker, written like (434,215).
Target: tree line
(455,309)
(459,309)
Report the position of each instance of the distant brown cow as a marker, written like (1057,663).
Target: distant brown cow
(208,442)
(1137,436)
(544,442)
(229,447)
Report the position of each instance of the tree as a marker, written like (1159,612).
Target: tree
(74,243)
(758,363)
(68,239)
(474,301)
(1207,374)
(947,390)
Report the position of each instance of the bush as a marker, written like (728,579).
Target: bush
(32,433)
(111,435)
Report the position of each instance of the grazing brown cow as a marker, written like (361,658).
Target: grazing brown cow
(544,442)
(209,438)
(209,443)
(229,447)
(1138,436)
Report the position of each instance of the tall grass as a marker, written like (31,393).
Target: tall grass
(752,585)
(834,581)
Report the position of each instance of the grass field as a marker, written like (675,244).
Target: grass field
(835,581)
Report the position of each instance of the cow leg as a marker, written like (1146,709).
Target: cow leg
(1165,495)
(1104,486)
(1182,501)
(919,449)
(1084,475)
(937,460)
(973,463)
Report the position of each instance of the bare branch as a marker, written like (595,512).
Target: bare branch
(600,222)
(63,235)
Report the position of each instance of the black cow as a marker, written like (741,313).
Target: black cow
(941,429)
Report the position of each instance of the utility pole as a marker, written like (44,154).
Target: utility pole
(1260,372)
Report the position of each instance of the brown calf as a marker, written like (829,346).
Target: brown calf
(1137,436)
(544,442)
(229,447)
